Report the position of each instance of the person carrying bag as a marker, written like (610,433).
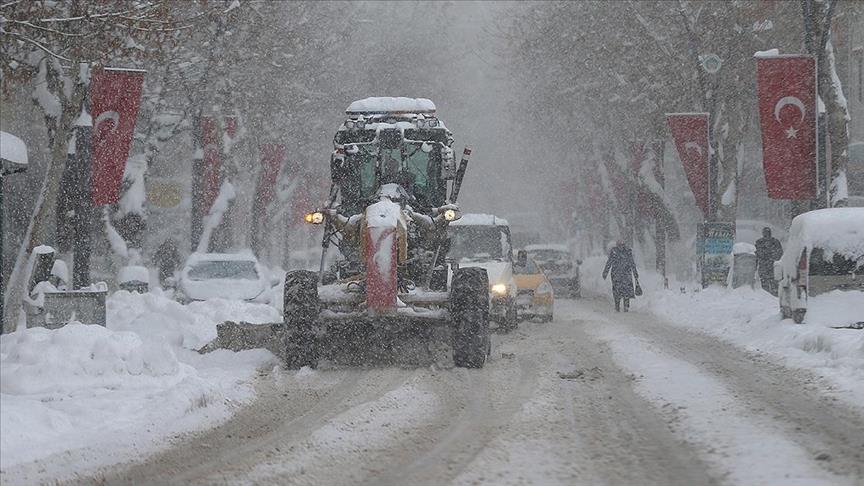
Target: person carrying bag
(624,273)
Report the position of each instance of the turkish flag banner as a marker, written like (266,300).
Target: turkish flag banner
(786,86)
(115,95)
(210,180)
(690,133)
(272,156)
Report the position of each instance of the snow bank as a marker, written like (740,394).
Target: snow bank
(83,396)
(750,318)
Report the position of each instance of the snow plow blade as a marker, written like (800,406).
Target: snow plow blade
(240,336)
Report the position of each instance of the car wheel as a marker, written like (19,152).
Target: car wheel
(511,319)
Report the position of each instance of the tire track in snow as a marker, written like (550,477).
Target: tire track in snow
(288,410)
(487,399)
(748,419)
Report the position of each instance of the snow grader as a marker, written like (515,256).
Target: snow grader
(394,187)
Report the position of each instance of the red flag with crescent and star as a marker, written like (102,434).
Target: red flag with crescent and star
(690,133)
(786,86)
(115,95)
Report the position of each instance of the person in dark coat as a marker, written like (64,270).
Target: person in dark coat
(768,251)
(623,269)
(167,258)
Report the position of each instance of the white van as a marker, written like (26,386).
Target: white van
(824,252)
(483,240)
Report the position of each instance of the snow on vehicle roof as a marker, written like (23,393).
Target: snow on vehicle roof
(837,229)
(240,256)
(548,246)
(391,105)
(480,219)
(834,230)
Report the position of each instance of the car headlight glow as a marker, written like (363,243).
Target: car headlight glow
(499,289)
(316,217)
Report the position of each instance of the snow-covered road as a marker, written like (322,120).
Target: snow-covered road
(592,398)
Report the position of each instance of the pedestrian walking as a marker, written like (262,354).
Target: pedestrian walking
(768,251)
(624,273)
(167,258)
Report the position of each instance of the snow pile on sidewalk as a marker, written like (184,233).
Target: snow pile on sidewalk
(102,395)
(750,318)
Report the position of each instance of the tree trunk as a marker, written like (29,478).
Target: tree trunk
(817,17)
(43,214)
(837,117)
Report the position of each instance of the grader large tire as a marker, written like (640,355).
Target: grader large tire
(511,320)
(300,310)
(469,308)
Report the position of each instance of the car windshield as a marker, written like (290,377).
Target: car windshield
(227,269)
(527,269)
(551,255)
(836,264)
(478,242)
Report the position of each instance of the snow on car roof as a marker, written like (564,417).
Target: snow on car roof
(480,219)
(241,256)
(391,105)
(835,230)
(548,246)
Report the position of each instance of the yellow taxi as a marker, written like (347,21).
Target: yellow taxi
(535,297)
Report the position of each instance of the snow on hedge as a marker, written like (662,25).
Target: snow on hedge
(84,396)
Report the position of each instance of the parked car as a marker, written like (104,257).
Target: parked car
(824,252)
(535,296)
(483,240)
(236,276)
(560,267)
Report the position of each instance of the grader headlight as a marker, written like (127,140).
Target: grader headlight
(450,215)
(316,217)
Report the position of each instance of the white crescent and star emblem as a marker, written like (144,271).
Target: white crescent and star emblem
(693,145)
(108,115)
(791,132)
